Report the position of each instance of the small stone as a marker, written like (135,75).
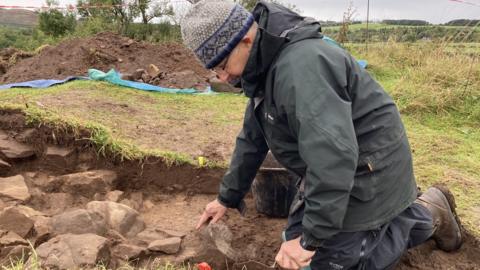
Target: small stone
(114,196)
(168,246)
(137,75)
(98,197)
(153,71)
(146,78)
(148,204)
(14,188)
(58,152)
(27,135)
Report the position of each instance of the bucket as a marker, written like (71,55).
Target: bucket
(273,190)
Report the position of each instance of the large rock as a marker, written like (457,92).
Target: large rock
(168,246)
(70,251)
(88,183)
(118,217)
(14,188)
(221,237)
(128,252)
(78,221)
(13,149)
(59,202)
(153,234)
(13,220)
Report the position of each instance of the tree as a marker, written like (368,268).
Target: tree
(149,12)
(121,12)
(347,20)
(56,23)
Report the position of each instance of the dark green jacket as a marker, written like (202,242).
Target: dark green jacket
(325,119)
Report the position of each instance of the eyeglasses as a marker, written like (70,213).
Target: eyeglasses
(223,65)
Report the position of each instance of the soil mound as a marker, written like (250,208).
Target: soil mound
(105,51)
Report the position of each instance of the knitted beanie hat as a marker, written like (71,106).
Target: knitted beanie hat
(213,28)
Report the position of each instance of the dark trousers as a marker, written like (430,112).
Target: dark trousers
(369,250)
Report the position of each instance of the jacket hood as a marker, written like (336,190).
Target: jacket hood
(277,26)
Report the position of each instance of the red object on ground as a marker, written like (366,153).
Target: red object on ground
(204,266)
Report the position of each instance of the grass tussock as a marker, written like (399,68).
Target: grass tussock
(428,77)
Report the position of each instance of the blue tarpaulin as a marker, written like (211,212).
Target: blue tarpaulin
(362,63)
(114,77)
(41,83)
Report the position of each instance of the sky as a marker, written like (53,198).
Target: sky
(434,11)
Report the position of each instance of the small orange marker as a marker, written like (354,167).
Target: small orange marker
(204,266)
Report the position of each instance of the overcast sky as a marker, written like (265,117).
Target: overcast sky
(434,11)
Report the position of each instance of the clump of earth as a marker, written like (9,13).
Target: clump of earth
(177,65)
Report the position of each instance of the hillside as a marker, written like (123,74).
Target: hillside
(18,18)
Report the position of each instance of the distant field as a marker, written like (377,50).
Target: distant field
(387,26)
(380,32)
(18,18)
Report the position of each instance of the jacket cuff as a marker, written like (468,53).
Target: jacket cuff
(241,206)
(308,241)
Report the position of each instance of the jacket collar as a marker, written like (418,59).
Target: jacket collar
(272,21)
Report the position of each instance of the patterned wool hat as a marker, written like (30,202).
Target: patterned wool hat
(213,28)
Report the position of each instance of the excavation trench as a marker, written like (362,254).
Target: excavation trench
(54,186)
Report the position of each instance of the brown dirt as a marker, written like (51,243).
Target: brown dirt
(105,51)
(178,195)
(10,56)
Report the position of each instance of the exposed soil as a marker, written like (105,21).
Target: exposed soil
(106,51)
(168,197)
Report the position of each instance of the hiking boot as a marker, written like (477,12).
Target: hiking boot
(446,230)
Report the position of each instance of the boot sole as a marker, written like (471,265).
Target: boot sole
(451,202)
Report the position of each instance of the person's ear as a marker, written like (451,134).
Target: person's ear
(247,40)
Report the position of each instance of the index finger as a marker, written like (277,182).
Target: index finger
(203,219)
